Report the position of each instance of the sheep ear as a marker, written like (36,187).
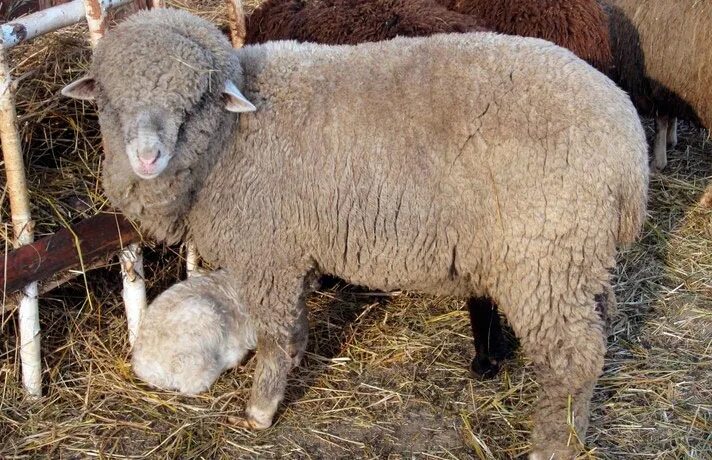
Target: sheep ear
(83,89)
(235,101)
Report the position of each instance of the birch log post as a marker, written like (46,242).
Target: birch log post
(28,311)
(33,25)
(236,16)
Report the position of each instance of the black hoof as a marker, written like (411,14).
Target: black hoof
(484,369)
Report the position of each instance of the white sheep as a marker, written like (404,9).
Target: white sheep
(191,333)
(466,164)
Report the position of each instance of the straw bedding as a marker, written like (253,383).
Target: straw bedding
(386,374)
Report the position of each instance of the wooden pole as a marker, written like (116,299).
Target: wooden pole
(28,314)
(236,16)
(191,258)
(33,25)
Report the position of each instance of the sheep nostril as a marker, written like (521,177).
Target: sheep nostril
(149,157)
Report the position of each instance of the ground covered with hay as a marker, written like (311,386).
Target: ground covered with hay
(386,375)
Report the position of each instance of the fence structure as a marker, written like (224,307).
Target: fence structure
(32,261)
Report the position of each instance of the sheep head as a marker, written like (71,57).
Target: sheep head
(156,85)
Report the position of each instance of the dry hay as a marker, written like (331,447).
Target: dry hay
(385,375)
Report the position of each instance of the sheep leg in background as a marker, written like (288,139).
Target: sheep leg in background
(491,347)
(672,133)
(662,123)
(279,350)
(565,342)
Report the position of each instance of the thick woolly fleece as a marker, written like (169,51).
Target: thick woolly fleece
(663,58)
(191,333)
(579,25)
(349,22)
(339,22)
(474,164)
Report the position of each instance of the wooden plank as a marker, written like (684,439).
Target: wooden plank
(97,236)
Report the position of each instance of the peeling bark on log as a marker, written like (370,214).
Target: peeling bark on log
(97,236)
(238,29)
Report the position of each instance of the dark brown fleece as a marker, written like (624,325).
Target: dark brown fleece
(348,22)
(579,25)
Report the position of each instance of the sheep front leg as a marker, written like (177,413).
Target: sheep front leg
(279,350)
(660,145)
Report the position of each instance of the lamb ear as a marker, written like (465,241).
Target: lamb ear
(235,101)
(83,89)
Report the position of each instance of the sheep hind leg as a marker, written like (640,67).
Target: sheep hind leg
(568,357)
(277,354)
(491,347)
(566,344)
(660,144)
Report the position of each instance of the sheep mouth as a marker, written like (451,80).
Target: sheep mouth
(148,171)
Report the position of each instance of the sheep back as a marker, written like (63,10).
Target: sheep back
(352,21)
(579,25)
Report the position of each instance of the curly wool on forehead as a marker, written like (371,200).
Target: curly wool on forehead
(142,63)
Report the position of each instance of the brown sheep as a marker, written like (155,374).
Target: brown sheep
(663,59)
(349,22)
(579,25)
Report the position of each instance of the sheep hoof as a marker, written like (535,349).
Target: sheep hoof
(659,165)
(484,369)
(246,422)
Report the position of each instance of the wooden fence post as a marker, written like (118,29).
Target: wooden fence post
(28,310)
(236,16)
